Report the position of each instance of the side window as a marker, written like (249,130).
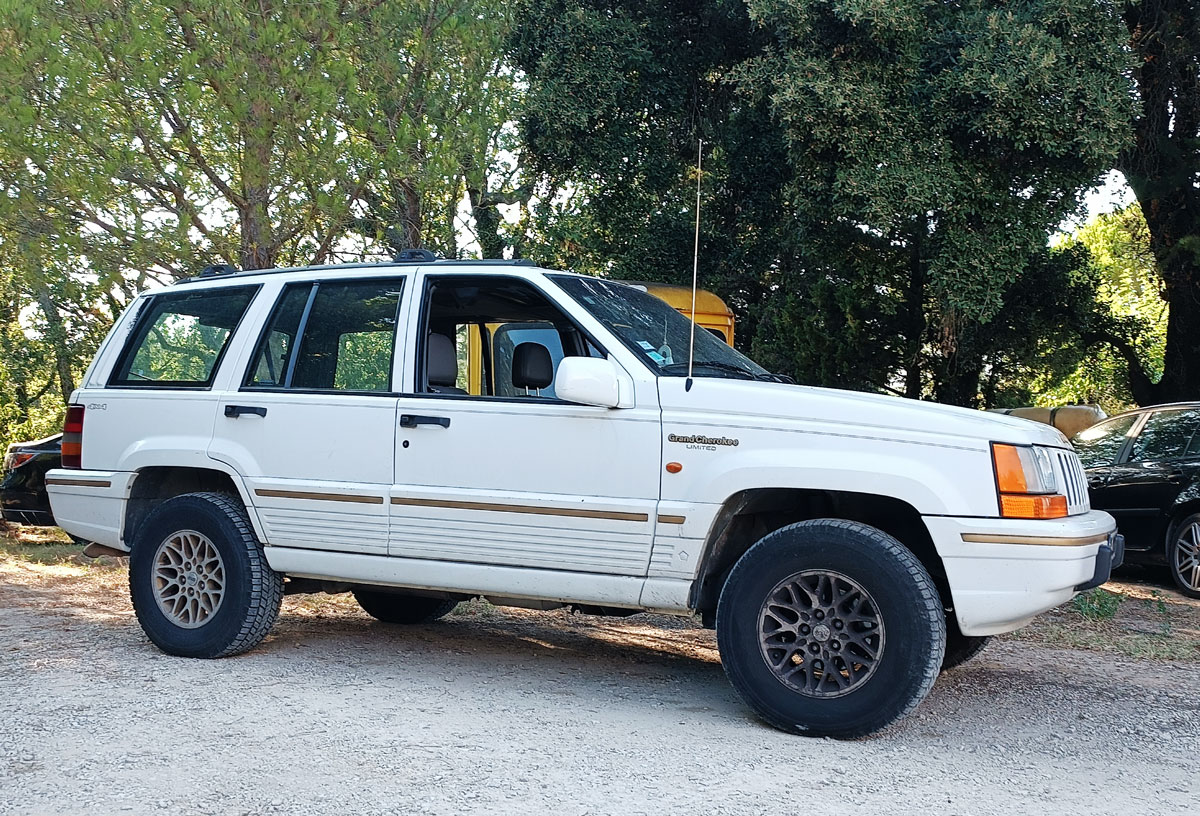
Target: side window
(494,337)
(1167,435)
(346,331)
(180,337)
(1101,444)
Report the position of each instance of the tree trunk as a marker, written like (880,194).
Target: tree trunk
(57,335)
(915,315)
(487,224)
(1160,166)
(412,218)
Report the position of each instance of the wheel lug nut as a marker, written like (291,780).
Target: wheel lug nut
(814,648)
(837,624)
(804,630)
(820,615)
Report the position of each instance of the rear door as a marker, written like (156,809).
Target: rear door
(310,424)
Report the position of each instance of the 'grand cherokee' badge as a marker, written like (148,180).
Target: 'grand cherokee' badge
(704,442)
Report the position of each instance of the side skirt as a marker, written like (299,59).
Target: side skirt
(661,595)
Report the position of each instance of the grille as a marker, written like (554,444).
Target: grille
(1073,481)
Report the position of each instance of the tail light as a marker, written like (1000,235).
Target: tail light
(14,459)
(72,441)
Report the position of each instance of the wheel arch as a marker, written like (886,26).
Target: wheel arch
(153,485)
(749,515)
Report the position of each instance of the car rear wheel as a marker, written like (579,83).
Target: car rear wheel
(830,628)
(198,579)
(1183,555)
(397,607)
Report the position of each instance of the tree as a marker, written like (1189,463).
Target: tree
(259,134)
(145,139)
(1133,314)
(881,177)
(1161,164)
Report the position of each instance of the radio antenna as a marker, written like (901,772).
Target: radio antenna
(687,386)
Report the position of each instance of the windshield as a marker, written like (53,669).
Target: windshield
(656,332)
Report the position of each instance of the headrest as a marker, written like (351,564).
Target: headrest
(441,360)
(532,366)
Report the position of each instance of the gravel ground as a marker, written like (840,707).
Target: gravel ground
(541,713)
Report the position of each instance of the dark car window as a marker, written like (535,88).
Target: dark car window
(181,336)
(1167,435)
(1100,444)
(347,330)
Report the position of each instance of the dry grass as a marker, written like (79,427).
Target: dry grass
(1148,620)
(1143,618)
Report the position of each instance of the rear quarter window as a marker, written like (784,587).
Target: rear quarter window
(180,337)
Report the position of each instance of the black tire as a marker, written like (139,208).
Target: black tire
(959,647)
(251,592)
(1183,555)
(397,607)
(909,629)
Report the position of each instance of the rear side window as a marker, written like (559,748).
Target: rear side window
(180,338)
(330,336)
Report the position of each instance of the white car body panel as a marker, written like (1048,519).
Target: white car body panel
(547,500)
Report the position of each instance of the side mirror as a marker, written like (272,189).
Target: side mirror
(588,381)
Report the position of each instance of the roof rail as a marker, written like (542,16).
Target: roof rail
(222,270)
(218,269)
(415,255)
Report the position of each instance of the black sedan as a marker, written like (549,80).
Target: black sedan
(1143,467)
(23,489)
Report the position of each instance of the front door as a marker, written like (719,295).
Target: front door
(510,475)
(311,425)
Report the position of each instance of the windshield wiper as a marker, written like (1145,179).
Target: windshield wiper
(682,368)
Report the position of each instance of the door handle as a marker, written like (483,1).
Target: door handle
(413,420)
(1176,476)
(236,411)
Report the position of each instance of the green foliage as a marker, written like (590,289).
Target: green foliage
(1097,604)
(145,139)
(880,179)
(1133,313)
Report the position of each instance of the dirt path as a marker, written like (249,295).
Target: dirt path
(541,713)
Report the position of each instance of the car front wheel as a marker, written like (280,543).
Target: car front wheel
(830,628)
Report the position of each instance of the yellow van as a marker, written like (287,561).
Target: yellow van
(711,314)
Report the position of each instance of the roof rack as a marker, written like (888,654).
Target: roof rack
(408,257)
(218,269)
(415,255)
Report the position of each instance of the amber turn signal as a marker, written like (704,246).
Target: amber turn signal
(1033,507)
(1010,473)
(674,467)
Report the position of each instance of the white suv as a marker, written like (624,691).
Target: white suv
(419,433)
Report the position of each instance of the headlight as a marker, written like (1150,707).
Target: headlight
(1026,483)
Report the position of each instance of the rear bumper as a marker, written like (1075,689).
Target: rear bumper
(90,504)
(1004,572)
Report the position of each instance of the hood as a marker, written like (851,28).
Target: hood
(845,409)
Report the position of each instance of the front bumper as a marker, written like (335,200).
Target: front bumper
(1004,572)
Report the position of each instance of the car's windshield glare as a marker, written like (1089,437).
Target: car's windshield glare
(656,332)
